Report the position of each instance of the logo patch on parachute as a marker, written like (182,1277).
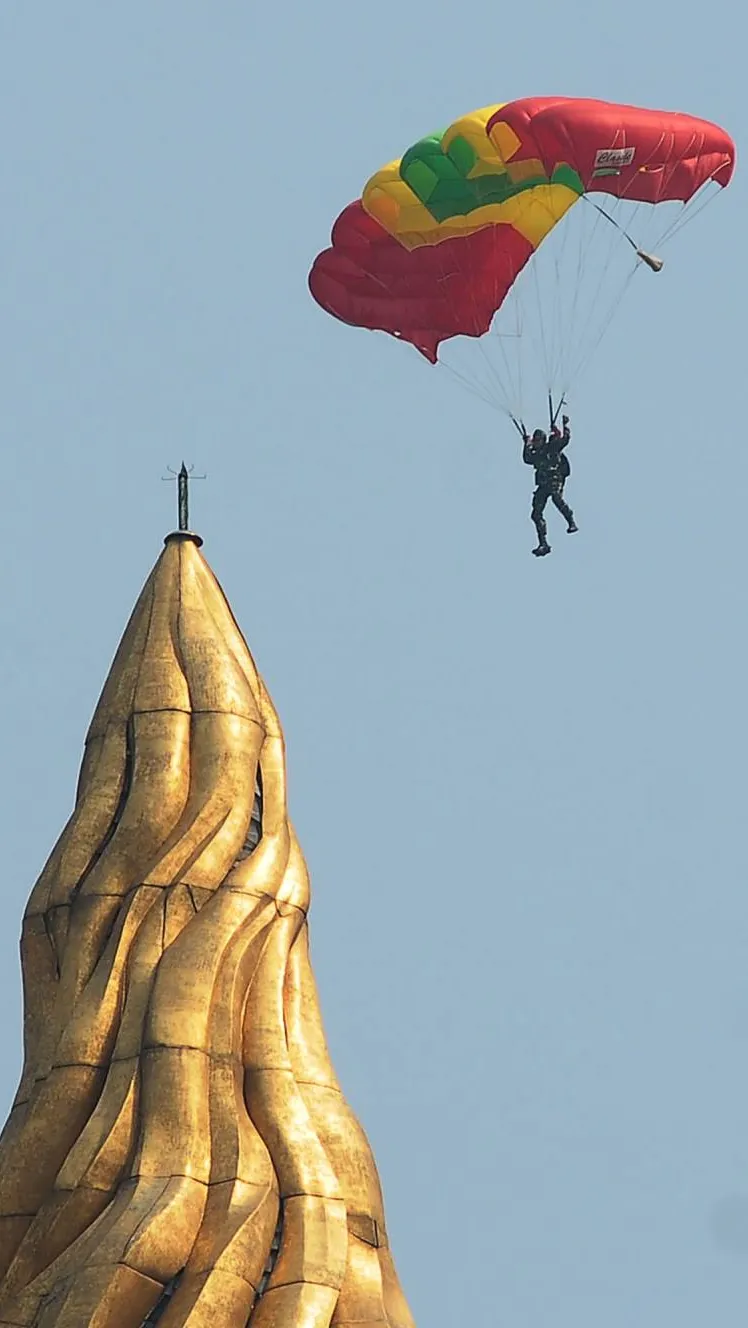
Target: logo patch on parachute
(607,158)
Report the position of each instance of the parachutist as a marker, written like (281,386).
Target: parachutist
(545,453)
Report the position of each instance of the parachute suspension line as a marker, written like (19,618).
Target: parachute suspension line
(509,386)
(612,220)
(544,301)
(481,389)
(473,390)
(506,404)
(651,261)
(481,392)
(521,359)
(535,281)
(551,297)
(513,375)
(507,390)
(573,315)
(590,306)
(567,302)
(477,387)
(622,293)
(513,389)
(519,336)
(586,239)
(585,227)
(668,175)
(584,360)
(476,390)
(690,209)
(557,252)
(594,284)
(518,346)
(678,222)
(515,336)
(687,213)
(560,334)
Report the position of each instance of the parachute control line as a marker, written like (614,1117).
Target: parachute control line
(651,260)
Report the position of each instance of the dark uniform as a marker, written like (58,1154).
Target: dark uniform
(552,469)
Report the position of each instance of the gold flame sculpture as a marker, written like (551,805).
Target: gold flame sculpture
(179,1150)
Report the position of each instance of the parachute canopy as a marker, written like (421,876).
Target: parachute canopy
(436,241)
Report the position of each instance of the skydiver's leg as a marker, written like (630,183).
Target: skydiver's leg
(539,500)
(557,498)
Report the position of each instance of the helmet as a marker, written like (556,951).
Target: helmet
(539,436)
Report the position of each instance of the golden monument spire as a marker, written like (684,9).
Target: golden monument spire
(179,1150)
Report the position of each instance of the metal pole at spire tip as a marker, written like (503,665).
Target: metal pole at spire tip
(183,487)
(183,476)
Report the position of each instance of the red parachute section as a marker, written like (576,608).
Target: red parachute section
(366,278)
(671,155)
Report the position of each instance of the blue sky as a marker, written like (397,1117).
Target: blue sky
(518,783)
